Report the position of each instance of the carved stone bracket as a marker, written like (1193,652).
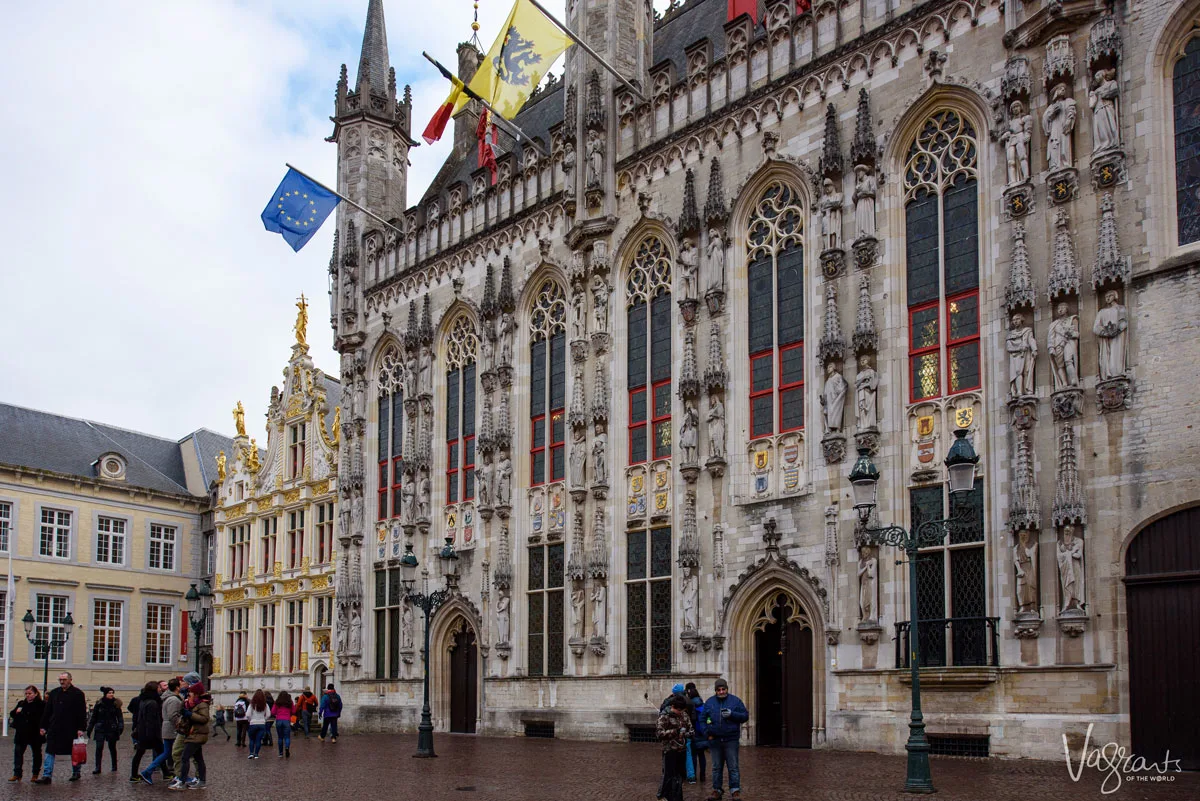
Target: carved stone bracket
(598,645)
(866,252)
(503,650)
(1114,395)
(579,350)
(1067,403)
(1018,201)
(691,641)
(833,446)
(578,645)
(869,439)
(1108,169)
(1072,625)
(1023,412)
(1062,186)
(714,298)
(715,466)
(833,263)
(869,631)
(1027,626)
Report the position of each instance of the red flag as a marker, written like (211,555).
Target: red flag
(437,125)
(803,6)
(739,7)
(487,153)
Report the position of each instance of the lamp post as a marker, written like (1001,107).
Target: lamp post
(47,643)
(864,479)
(428,603)
(199,605)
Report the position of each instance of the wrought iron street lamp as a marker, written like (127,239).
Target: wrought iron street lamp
(864,479)
(48,643)
(428,603)
(199,607)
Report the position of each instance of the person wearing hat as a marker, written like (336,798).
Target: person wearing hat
(723,716)
(182,725)
(106,724)
(663,709)
(674,730)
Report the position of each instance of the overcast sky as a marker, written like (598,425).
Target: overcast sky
(140,142)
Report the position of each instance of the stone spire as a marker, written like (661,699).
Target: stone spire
(373,62)
(488,306)
(1111,266)
(1023,512)
(1064,271)
(502,577)
(598,560)
(689,543)
(506,300)
(831,156)
(426,323)
(866,336)
(832,345)
(714,207)
(715,374)
(689,217)
(1069,505)
(413,335)
(576,564)
(862,149)
(1019,293)
(689,376)
(600,394)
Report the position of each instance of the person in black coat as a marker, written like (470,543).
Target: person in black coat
(147,727)
(26,720)
(65,718)
(106,725)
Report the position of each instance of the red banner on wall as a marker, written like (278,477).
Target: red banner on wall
(183,632)
(739,7)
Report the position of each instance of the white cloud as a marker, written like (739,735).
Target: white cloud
(141,142)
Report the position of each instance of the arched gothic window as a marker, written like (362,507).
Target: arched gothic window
(1185,81)
(941,210)
(391,426)
(548,385)
(462,345)
(775,276)
(648,360)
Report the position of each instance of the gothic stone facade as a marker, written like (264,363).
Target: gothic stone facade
(628,379)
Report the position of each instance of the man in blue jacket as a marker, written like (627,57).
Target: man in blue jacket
(722,719)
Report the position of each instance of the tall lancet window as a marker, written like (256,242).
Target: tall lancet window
(548,385)
(1185,83)
(941,210)
(461,347)
(390,408)
(775,278)
(649,352)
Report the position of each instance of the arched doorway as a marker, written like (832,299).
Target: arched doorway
(1162,593)
(784,675)
(464,678)
(320,678)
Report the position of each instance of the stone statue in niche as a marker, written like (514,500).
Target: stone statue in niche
(1063,346)
(595,157)
(578,320)
(406,628)
(868,575)
(691,599)
(599,457)
(411,374)
(716,428)
(716,259)
(409,493)
(343,629)
(1106,121)
(1025,560)
(600,304)
(865,187)
(504,481)
(502,618)
(866,387)
(577,601)
(424,488)
(489,351)
(1070,569)
(831,215)
(483,482)
(1112,326)
(506,338)
(1058,121)
(1022,353)
(599,602)
(833,399)
(355,629)
(578,458)
(689,433)
(426,371)
(689,268)
(568,162)
(1016,143)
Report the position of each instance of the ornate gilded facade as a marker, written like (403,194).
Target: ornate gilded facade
(276,537)
(628,378)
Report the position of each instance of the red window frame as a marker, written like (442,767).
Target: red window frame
(915,353)
(755,395)
(397,481)
(553,444)
(788,387)
(466,467)
(382,505)
(537,422)
(638,427)
(656,421)
(299,437)
(954,343)
(452,467)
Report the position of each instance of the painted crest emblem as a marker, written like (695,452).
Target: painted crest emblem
(515,56)
(637,484)
(925,452)
(760,460)
(660,501)
(760,484)
(964,416)
(790,452)
(660,479)
(925,425)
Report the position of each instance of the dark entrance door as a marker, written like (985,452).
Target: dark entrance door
(784,682)
(1162,582)
(463,680)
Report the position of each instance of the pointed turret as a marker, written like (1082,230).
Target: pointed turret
(373,63)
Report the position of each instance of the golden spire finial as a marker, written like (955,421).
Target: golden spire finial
(302,321)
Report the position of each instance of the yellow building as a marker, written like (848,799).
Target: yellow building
(275,519)
(107,525)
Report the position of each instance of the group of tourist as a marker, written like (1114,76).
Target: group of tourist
(170,720)
(688,726)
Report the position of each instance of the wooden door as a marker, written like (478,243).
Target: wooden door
(797,686)
(784,707)
(1162,578)
(464,677)
(768,711)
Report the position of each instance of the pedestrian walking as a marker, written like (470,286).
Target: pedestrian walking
(305,705)
(64,719)
(219,722)
(282,711)
(172,718)
(186,684)
(663,709)
(268,738)
(256,716)
(240,724)
(724,715)
(106,725)
(26,721)
(197,711)
(674,730)
(146,728)
(699,744)
(331,710)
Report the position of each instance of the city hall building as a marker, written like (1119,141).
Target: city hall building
(627,380)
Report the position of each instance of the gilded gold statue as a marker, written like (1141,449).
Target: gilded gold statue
(252,462)
(302,321)
(239,419)
(335,435)
(221,466)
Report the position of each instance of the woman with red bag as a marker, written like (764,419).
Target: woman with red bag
(64,721)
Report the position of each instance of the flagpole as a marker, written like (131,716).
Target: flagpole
(575,38)
(339,195)
(9,600)
(509,126)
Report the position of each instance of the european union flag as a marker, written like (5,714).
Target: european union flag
(298,208)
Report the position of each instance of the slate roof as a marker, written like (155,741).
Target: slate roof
(208,444)
(40,440)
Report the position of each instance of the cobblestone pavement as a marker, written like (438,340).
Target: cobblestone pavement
(517,769)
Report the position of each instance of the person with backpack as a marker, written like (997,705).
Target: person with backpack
(268,739)
(147,728)
(241,724)
(699,744)
(26,717)
(305,705)
(106,724)
(170,714)
(219,722)
(197,712)
(331,710)
(674,730)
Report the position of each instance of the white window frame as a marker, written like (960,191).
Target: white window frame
(45,627)
(106,629)
(295,538)
(297,449)
(158,633)
(58,531)
(6,525)
(113,537)
(163,538)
